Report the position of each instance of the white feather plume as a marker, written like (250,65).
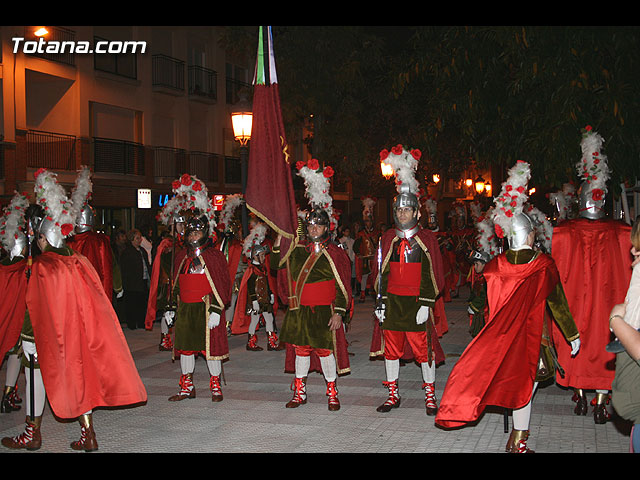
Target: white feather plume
(82,190)
(512,197)
(231,202)
(256,237)
(13,221)
(53,198)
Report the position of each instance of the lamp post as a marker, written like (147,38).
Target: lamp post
(242,121)
(479,184)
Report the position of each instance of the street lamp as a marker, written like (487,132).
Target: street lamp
(480,184)
(242,121)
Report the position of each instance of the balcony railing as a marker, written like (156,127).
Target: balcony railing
(118,156)
(204,166)
(168,72)
(51,150)
(203,82)
(169,163)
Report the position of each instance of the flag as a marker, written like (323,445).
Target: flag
(269,190)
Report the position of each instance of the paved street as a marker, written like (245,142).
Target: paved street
(252,418)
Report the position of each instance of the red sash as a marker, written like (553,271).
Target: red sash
(317,293)
(404,278)
(193,286)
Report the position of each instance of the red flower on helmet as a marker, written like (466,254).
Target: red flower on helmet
(66,228)
(328,172)
(508,188)
(415,153)
(508,213)
(397,150)
(313,164)
(38,172)
(384,154)
(300,164)
(175,184)
(197,186)
(185,179)
(499,231)
(597,194)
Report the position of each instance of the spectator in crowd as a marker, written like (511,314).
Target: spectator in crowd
(136,272)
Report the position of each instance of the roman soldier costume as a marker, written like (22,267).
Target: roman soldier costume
(230,244)
(93,245)
(78,352)
(486,249)
(256,294)
(201,292)
(364,247)
(513,352)
(160,285)
(319,294)
(592,254)
(407,285)
(13,284)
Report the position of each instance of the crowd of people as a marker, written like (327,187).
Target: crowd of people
(549,301)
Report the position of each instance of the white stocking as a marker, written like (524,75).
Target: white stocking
(392,367)
(328,365)
(428,372)
(215,367)
(363,282)
(522,416)
(187,363)
(164,328)
(253,323)
(39,394)
(302,366)
(268,321)
(13,370)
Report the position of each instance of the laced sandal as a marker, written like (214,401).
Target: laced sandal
(393,401)
(332,393)
(299,393)
(187,389)
(216,389)
(30,439)
(430,400)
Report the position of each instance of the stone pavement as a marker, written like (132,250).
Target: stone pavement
(253,419)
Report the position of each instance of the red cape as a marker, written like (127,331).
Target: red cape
(499,366)
(241,320)
(97,248)
(595,269)
(13,285)
(150,317)
(84,357)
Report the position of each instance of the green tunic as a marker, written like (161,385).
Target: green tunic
(625,389)
(308,325)
(401,310)
(558,309)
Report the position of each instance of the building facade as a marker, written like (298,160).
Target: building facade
(139,105)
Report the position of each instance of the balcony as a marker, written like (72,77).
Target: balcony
(118,156)
(168,73)
(121,64)
(203,83)
(50,150)
(170,163)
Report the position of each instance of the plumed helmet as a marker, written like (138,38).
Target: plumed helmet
(521,226)
(51,232)
(590,202)
(406,198)
(86,219)
(318,216)
(196,222)
(257,250)
(594,170)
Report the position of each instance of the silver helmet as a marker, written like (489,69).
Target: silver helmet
(86,219)
(318,216)
(406,199)
(197,223)
(521,226)
(51,232)
(17,249)
(257,250)
(591,202)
